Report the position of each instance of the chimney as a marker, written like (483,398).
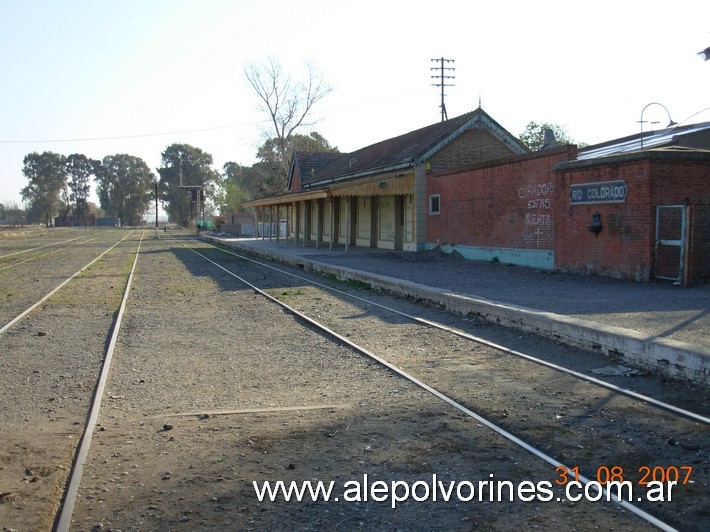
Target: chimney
(549,140)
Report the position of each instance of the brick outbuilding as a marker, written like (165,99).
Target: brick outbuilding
(659,229)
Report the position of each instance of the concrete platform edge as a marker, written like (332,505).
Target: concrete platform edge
(666,357)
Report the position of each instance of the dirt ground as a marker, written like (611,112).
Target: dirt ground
(213,388)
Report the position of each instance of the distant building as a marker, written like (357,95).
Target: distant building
(84,220)
(108,221)
(240,224)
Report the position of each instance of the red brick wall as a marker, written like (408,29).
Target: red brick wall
(469,148)
(295,180)
(524,203)
(700,243)
(688,182)
(626,246)
(508,204)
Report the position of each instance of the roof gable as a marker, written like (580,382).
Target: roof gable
(410,149)
(306,165)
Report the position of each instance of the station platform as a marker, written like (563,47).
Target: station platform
(657,326)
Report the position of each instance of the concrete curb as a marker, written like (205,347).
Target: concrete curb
(667,357)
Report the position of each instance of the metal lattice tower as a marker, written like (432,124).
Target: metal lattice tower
(197,196)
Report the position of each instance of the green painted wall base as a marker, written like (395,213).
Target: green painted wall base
(543,259)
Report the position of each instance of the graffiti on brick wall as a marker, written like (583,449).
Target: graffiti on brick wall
(538,230)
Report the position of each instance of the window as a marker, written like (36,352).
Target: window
(434,206)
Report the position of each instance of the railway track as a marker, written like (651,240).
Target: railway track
(55,314)
(201,346)
(14,253)
(23,260)
(580,392)
(31,271)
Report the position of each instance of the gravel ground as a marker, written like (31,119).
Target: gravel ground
(571,420)
(655,309)
(212,388)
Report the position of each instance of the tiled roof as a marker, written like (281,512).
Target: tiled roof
(406,150)
(310,163)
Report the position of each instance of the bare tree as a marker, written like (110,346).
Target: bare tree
(286,101)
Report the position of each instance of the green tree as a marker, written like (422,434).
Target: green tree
(288,104)
(230,197)
(124,187)
(534,135)
(266,177)
(234,172)
(251,179)
(80,169)
(186,165)
(270,153)
(46,175)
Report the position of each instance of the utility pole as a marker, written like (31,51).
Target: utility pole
(156,209)
(442,81)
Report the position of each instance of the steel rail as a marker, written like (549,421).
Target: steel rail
(40,256)
(593,380)
(57,288)
(39,247)
(67,508)
(452,402)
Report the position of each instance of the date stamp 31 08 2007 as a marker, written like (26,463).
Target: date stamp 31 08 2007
(652,478)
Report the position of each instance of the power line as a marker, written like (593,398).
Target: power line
(198,130)
(142,135)
(442,81)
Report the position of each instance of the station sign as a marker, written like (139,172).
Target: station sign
(602,192)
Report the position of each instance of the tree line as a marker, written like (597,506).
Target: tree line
(60,185)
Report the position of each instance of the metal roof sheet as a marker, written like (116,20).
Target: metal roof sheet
(653,139)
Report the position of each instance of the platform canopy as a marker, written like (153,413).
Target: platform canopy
(286,199)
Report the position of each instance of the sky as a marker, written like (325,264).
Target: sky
(102,77)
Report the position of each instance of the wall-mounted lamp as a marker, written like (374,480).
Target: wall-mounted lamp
(705,54)
(596,225)
(383,184)
(671,123)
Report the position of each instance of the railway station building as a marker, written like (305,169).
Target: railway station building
(635,208)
